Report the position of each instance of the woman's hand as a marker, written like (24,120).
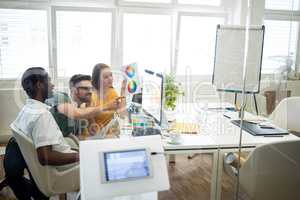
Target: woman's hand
(113,105)
(122,102)
(123,88)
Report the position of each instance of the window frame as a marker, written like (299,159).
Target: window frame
(123,3)
(286,15)
(200,5)
(117,8)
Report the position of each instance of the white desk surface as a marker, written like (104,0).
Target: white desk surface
(217,135)
(216,131)
(191,142)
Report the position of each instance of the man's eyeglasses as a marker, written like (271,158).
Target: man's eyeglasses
(85,88)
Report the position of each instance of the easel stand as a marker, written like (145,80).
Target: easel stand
(255,102)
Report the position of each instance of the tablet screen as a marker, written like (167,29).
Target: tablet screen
(129,164)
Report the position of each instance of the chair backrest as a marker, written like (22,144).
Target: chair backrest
(272,172)
(286,114)
(49,180)
(9,110)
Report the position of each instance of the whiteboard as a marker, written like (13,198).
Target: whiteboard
(230,53)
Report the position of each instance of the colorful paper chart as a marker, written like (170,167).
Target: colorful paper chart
(130,71)
(132,86)
(131,74)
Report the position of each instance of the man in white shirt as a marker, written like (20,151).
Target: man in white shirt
(38,124)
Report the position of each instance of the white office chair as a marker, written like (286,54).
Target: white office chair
(286,114)
(49,180)
(272,172)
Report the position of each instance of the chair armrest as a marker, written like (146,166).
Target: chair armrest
(68,172)
(74,138)
(73,142)
(67,180)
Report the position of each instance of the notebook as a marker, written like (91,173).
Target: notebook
(260,130)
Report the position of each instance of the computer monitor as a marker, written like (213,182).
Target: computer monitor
(152,95)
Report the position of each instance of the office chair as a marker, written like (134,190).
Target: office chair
(3,183)
(272,172)
(286,114)
(49,180)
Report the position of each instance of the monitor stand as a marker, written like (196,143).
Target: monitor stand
(164,121)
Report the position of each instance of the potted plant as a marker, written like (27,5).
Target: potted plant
(171,92)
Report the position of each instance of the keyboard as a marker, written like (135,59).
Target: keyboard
(145,131)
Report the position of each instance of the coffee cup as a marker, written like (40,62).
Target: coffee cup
(175,138)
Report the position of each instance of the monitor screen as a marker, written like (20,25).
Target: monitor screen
(152,94)
(126,165)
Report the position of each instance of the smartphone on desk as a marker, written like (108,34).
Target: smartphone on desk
(266,125)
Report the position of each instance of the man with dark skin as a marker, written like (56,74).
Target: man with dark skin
(36,122)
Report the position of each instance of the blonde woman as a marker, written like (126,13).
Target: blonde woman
(104,95)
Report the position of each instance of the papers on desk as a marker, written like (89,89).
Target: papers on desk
(185,127)
(185,123)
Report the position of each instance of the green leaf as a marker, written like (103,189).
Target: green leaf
(172,91)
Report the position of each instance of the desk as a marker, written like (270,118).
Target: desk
(217,136)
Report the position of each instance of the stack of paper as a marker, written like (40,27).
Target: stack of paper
(185,127)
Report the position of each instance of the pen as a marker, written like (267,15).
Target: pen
(121,97)
(226,116)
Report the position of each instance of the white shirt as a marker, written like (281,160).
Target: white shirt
(36,121)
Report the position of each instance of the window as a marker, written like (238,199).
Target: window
(201,2)
(282,4)
(23,41)
(197,37)
(83,39)
(147,41)
(280,45)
